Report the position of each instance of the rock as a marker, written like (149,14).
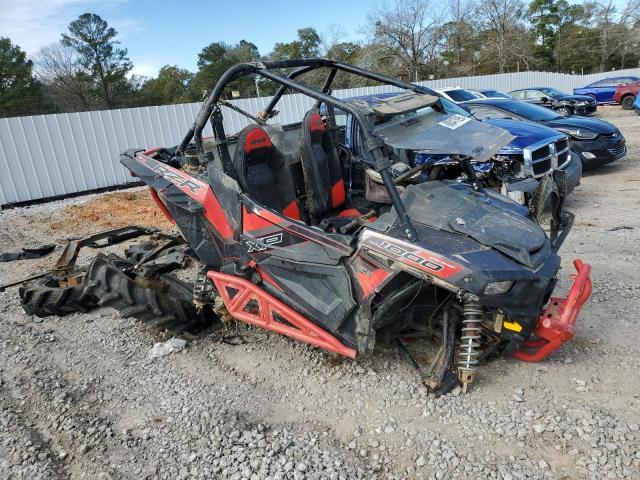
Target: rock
(162,349)
(421,461)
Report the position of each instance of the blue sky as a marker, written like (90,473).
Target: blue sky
(158,33)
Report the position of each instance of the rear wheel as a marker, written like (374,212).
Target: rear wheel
(49,296)
(162,301)
(627,102)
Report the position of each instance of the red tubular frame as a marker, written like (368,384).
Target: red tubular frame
(299,328)
(557,322)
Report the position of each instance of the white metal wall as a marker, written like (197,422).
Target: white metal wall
(49,155)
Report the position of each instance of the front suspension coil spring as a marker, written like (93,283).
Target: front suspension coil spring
(469,350)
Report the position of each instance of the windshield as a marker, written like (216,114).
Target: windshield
(452,108)
(495,94)
(430,131)
(552,92)
(529,111)
(460,95)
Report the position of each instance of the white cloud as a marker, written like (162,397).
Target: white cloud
(145,69)
(33,24)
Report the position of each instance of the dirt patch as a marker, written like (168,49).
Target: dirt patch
(112,210)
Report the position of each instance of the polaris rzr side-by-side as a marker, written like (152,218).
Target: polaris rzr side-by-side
(287,241)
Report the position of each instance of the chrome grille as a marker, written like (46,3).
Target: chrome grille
(540,153)
(541,167)
(562,158)
(561,145)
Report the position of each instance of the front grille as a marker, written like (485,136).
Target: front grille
(563,157)
(561,145)
(617,151)
(540,153)
(542,167)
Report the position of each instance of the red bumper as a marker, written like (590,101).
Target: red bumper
(557,322)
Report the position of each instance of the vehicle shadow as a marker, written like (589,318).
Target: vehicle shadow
(607,169)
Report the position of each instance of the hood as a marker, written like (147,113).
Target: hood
(594,124)
(446,207)
(574,98)
(525,133)
(434,133)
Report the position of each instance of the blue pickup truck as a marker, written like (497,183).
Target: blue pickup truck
(536,151)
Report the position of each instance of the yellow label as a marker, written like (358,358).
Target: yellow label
(512,326)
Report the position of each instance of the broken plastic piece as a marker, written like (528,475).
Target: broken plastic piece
(557,322)
(27,253)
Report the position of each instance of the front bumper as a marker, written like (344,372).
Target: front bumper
(585,109)
(574,172)
(602,150)
(556,325)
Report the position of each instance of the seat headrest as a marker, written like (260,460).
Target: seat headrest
(315,123)
(256,139)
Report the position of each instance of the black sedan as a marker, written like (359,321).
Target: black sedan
(595,141)
(563,103)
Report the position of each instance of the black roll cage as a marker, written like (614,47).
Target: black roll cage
(372,144)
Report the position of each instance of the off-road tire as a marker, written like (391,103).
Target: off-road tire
(44,297)
(627,102)
(168,304)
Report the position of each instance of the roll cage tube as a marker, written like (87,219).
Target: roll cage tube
(266,113)
(373,144)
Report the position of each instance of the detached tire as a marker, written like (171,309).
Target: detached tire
(166,303)
(627,102)
(45,297)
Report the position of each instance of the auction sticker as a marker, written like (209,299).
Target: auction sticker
(454,121)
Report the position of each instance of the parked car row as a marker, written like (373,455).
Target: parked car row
(595,142)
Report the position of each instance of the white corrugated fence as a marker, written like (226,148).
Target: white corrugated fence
(45,156)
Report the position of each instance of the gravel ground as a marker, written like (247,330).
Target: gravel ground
(79,397)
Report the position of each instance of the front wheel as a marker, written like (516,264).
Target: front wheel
(564,111)
(627,102)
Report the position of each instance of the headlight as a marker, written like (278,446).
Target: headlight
(497,288)
(578,133)
(581,104)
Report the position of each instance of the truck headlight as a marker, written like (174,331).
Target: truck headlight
(497,288)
